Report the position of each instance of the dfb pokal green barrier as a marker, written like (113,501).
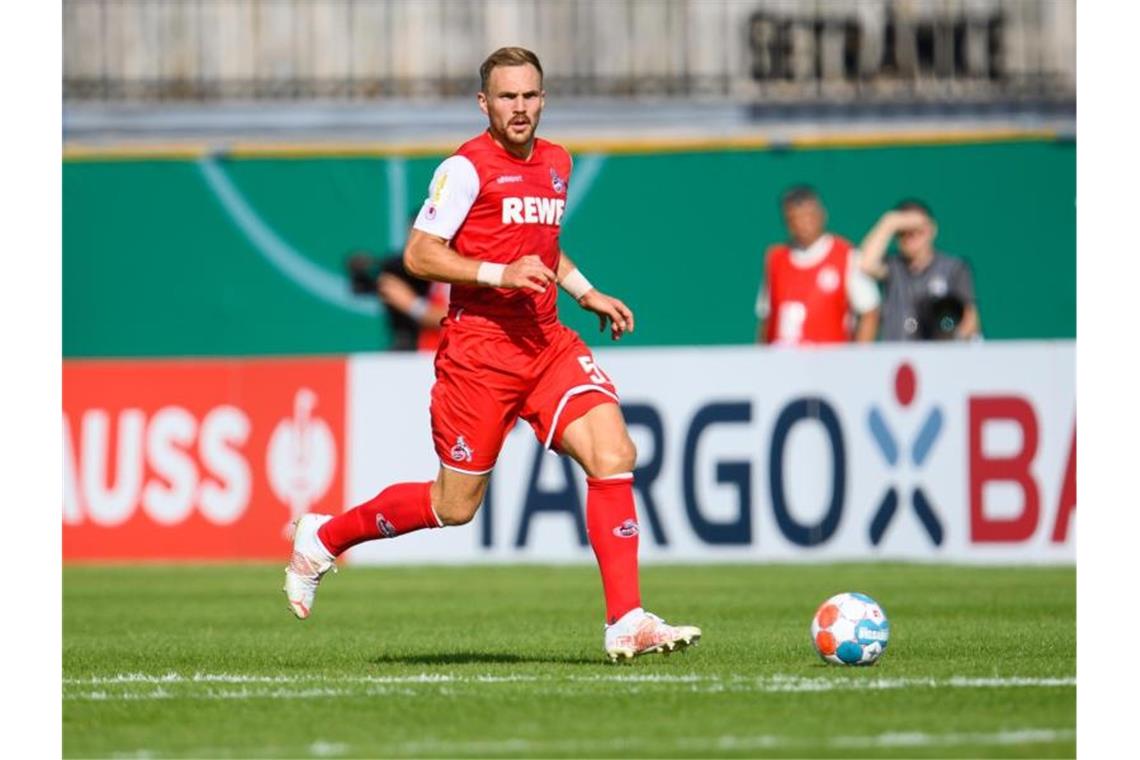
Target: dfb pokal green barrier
(216,255)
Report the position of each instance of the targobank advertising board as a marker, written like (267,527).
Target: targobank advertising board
(934,453)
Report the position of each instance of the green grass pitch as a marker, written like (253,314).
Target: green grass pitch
(205,661)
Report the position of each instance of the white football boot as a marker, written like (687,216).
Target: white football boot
(639,632)
(310,561)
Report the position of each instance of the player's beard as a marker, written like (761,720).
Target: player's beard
(519,137)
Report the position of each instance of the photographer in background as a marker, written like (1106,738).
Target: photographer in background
(414,307)
(929,295)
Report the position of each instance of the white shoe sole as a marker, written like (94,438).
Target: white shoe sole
(666,648)
(298,609)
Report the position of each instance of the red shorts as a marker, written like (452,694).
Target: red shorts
(488,375)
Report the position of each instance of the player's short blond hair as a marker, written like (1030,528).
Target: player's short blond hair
(507,56)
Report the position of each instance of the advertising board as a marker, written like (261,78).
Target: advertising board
(198,459)
(953,453)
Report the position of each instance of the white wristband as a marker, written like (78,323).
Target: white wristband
(490,274)
(576,284)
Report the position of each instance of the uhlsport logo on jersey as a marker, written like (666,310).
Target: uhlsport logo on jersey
(301,457)
(533,210)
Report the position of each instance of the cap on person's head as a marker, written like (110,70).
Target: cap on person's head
(914,204)
(797,194)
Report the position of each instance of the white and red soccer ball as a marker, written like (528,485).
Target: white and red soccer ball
(850,629)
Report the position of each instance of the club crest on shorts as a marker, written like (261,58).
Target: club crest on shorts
(557,182)
(386,528)
(627,529)
(461,452)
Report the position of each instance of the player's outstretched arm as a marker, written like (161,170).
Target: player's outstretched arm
(429,257)
(609,309)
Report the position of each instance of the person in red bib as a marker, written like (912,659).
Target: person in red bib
(813,285)
(490,227)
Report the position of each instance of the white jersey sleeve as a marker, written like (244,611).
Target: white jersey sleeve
(862,291)
(450,196)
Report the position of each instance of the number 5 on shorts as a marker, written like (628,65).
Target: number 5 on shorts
(593,370)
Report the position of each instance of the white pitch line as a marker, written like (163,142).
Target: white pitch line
(693,745)
(327,749)
(169,678)
(921,739)
(311,685)
(239,694)
(1024,736)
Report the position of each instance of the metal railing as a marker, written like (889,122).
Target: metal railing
(748,51)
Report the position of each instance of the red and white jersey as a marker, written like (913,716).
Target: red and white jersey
(808,294)
(495,207)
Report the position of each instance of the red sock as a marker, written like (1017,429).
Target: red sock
(611,522)
(396,510)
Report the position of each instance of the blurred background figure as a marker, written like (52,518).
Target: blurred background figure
(413,307)
(813,289)
(426,310)
(929,295)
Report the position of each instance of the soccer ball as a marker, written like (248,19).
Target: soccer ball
(850,629)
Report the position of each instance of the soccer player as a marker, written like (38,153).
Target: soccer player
(490,227)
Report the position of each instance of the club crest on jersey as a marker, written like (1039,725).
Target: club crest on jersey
(557,182)
(828,279)
(461,452)
(386,528)
(627,529)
